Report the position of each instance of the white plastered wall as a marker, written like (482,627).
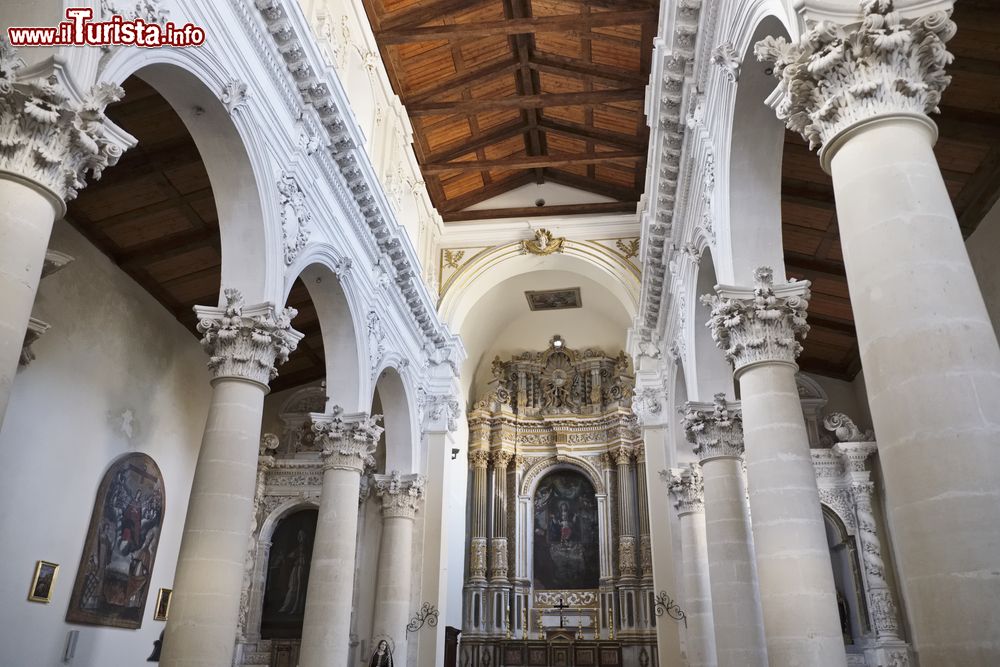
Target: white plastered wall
(116,373)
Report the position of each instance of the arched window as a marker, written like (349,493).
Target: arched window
(566,538)
(288,576)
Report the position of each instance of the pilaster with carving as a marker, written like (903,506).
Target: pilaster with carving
(479,460)
(246,342)
(762,325)
(836,76)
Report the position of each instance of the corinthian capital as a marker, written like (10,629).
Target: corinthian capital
(715,429)
(246,341)
(346,442)
(440,412)
(49,136)
(759,325)
(401,494)
(688,489)
(837,75)
(479,458)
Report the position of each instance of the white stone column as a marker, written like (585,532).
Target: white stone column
(716,430)
(649,405)
(401,497)
(757,329)
(930,355)
(346,443)
(929,352)
(441,413)
(51,140)
(688,490)
(244,345)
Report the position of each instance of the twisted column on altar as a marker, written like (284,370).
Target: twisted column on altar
(347,443)
(716,431)
(862,91)
(758,330)
(244,344)
(687,486)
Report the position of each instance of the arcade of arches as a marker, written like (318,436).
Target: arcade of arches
(503,332)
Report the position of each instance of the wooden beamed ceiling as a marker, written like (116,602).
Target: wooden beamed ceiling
(968,151)
(503,93)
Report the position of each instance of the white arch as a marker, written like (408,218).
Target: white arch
(402,440)
(493,267)
(342,324)
(534,474)
(232,150)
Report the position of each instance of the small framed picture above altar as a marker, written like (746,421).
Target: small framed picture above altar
(44,581)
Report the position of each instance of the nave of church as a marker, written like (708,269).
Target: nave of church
(488,333)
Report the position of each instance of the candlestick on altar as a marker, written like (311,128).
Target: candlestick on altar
(509,619)
(579,628)
(524,622)
(539,624)
(611,623)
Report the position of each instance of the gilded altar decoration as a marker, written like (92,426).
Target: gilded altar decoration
(544,243)
(118,555)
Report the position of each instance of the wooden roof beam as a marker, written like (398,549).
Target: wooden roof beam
(562,66)
(482,104)
(532,161)
(459,148)
(594,185)
(566,23)
(451,84)
(532,211)
(624,141)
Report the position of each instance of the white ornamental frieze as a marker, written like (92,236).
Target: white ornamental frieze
(295,217)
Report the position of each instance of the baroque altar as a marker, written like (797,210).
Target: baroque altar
(559,523)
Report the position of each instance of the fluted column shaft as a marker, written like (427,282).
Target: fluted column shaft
(626,514)
(928,349)
(347,444)
(645,547)
(686,486)
(51,141)
(717,433)
(244,344)
(757,329)
(479,459)
(401,497)
(499,544)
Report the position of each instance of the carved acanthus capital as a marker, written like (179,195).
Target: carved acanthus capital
(623,455)
(855,454)
(502,457)
(762,325)
(49,137)
(837,75)
(715,429)
(246,342)
(347,442)
(688,488)
(479,458)
(401,494)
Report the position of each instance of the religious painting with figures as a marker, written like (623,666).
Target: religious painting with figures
(288,576)
(117,562)
(566,533)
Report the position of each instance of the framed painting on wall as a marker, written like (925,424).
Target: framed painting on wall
(162,604)
(117,561)
(43,582)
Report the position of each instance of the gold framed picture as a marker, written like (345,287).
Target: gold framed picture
(162,604)
(43,582)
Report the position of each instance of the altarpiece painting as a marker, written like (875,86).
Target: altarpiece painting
(117,562)
(566,533)
(288,576)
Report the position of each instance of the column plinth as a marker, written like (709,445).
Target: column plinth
(716,430)
(688,491)
(243,344)
(346,443)
(758,330)
(928,349)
